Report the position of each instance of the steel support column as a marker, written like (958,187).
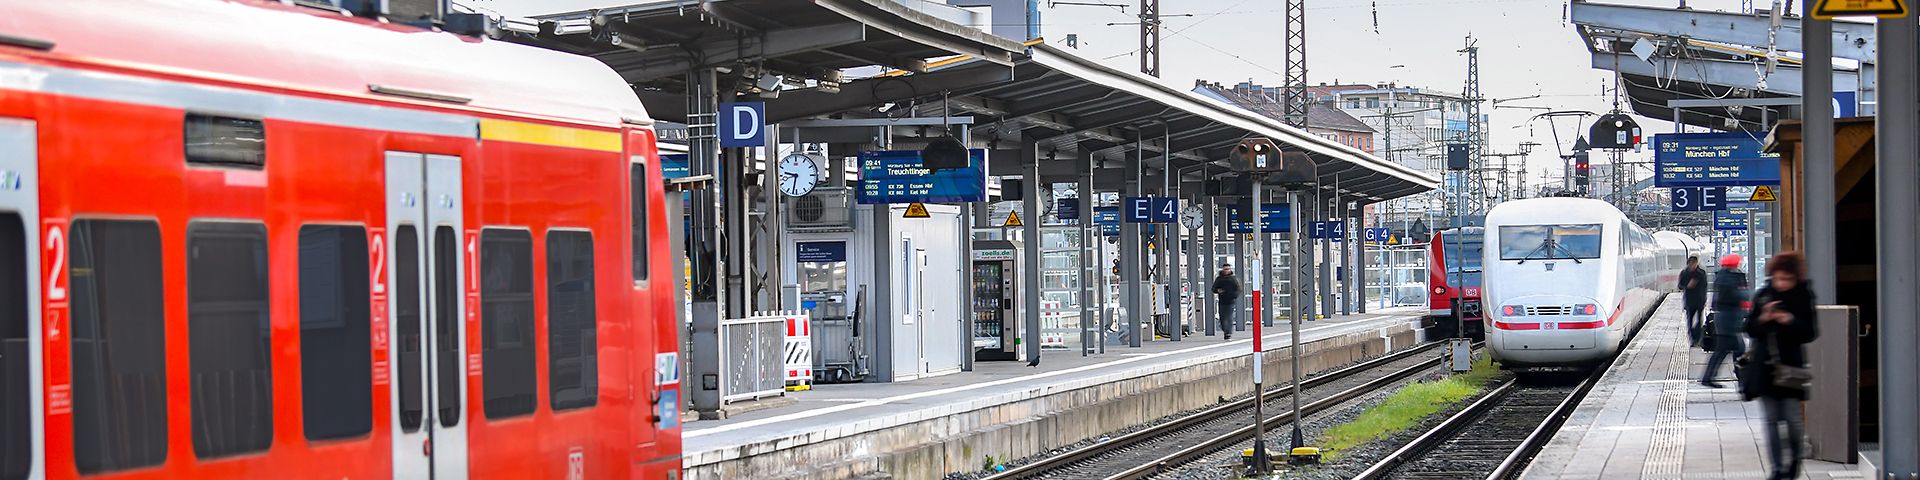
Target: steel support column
(1131,257)
(709,305)
(1090,236)
(1030,235)
(1209,307)
(1817,199)
(1897,164)
(1241,254)
(1360,263)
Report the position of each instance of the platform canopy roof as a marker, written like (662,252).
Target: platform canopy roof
(1691,54)
(1075,113)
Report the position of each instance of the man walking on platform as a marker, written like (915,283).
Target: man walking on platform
(1729,309)
(1693,284)
(1227,290)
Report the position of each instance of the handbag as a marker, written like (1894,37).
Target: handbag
(1786,376)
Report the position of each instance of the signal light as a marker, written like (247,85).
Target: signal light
(1581,166)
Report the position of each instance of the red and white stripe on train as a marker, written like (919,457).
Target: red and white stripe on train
(244,239)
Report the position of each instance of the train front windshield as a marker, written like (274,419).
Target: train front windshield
(1463,258)
(1549,242)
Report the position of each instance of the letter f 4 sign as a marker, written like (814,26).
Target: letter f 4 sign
(743,124)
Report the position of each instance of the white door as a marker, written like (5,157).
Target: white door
(426,319)
(21,422)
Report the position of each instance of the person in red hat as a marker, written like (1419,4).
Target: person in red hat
(1729,308)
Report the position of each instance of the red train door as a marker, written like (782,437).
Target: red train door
(427,323)
(22,428)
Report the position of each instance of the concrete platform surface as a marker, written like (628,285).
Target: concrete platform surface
(1650,418)
(833,411)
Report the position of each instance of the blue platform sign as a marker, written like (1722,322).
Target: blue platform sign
(1274,218)
(1108,218)
(1377,235)
(1712,159)
(674,165)
(1151,209)
(820,251)
(1713,198)
(1724,220)
(1744,207)
(1698,199)
(1846,104)
(743,124)
(899,176)
(1329,229)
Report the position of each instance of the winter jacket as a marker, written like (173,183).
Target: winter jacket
(1226,288)
(1788,340)
(1696,294)
(1729,295)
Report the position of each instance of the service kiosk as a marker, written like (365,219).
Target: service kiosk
(996,301)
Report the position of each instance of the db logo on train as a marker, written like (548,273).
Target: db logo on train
(577,464)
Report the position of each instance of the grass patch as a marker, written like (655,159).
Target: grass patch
(1406,408)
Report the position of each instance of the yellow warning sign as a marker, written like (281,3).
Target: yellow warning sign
(916,210)
(1391,240)
(1763,193)
(1013,219)
(1828,9)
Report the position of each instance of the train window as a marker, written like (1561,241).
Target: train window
(118,345)
(506,322)
(406,313)
(336,359)
(213,140)
(637,173)
(1546,242)
(572,341)
(16,457)
(446,325)
(227,338)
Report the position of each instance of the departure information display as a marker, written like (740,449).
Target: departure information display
(899,176)
(1713,160)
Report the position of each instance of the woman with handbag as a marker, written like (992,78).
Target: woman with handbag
(1775,367)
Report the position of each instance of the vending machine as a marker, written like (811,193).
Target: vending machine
(996,301)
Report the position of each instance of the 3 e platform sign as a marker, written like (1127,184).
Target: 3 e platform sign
(1830,9)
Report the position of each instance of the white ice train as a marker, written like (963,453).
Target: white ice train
(1567,279)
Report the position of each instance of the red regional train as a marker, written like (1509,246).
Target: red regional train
(1453,271)
(243,239)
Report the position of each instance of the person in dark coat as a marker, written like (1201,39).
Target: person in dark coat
(1693,288)
(1729,305)
(1781,324)
(1227,290)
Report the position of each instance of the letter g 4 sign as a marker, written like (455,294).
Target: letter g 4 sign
(743,124)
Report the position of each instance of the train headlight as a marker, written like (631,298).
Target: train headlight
(1439,290)
(1589,309)
(1507,310)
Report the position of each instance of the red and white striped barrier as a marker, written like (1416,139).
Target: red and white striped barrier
(799,352)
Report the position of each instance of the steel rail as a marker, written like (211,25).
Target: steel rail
(1438,435)
(1543,433)
(1242,434)
(1043,466)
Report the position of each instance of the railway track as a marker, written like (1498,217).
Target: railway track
(1491,438)
(1168,445)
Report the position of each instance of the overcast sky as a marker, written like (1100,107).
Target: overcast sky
(1526,48)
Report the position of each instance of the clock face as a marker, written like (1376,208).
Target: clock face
(798,175)
(1193,217)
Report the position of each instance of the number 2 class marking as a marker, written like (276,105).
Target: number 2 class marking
(56,276)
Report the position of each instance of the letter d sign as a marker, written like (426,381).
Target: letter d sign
(743,124)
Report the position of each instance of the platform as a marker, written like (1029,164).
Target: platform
(1009,410)
(1650,418)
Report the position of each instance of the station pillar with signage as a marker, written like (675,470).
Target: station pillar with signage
(996,301)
